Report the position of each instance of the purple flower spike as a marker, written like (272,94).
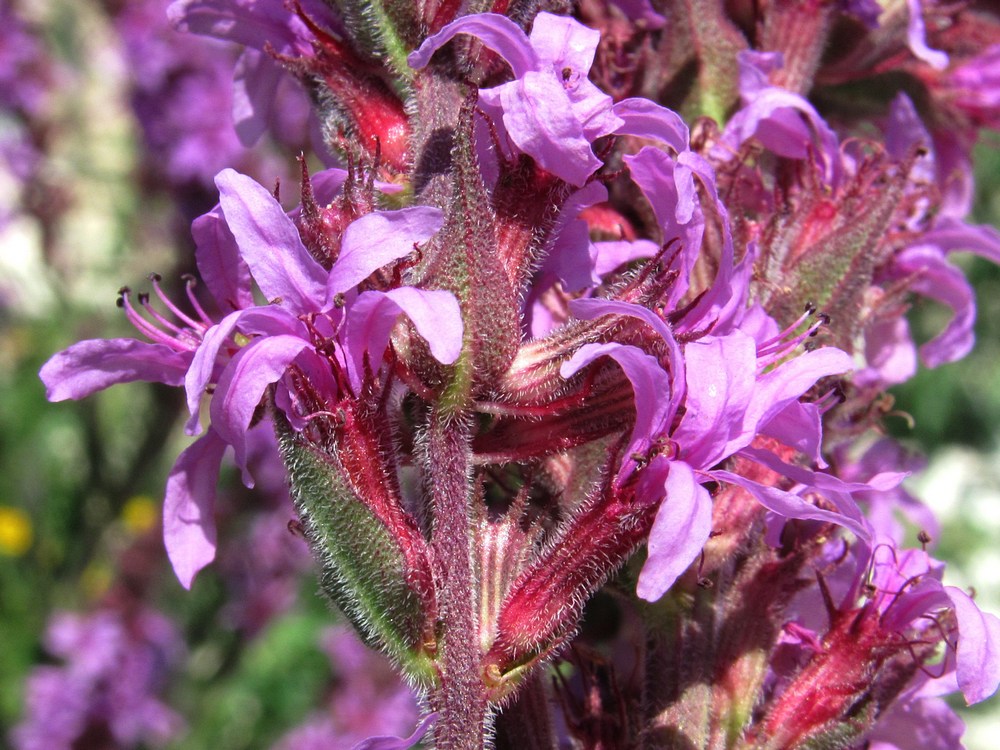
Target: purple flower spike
(551,111)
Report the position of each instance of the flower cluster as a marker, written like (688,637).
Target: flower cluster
(607,298)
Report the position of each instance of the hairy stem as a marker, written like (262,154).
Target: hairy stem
(464,716)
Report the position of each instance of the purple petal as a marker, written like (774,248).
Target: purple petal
(255,84)
(650,384)
(253,24)
(916,37)
(798,426)
(270,244)
(682,526)
(219,263)
(396,743)
(540,119)
(925,723)
(641,12)
(952,234)
(188,523)
(778,388)
(791,505)
(591,308)
(978,648)
(496,32)
(613,254)
(721,375)
(203,366)
(377,239)
(891,355)
(569,258)
(563,42)
(937,279)
(646,119)
(435,315)
(785,123)
(671,192)
(90,366)
(242,385)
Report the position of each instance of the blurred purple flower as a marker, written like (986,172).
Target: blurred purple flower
(368,704)
(113,668)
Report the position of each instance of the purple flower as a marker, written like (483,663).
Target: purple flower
(252,347)
(731,393)
(111,673)
(256,24)
(551,111)
(368,704)
(782,121)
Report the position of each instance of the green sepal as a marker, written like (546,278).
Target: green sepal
(363,566)
(387,29)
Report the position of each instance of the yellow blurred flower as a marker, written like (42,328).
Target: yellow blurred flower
(16,531)
(140,514)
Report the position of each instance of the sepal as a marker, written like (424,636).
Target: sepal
(368,572)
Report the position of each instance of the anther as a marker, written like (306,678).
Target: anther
(155,278)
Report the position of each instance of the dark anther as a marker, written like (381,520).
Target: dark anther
(705,583)
(567,73)
(143,298)
(124,290)
(339,300)
(824,319)
(924,538)
(810,308)
(154,277)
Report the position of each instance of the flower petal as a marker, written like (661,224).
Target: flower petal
(681,528)
(377,239)
(270,244)
(435,315)
(242,385)
(792,505)
(978,648)
(225,273)
(646,119)
(90,366)
(650,385)
(540,119)
(188,523)
(495,31)
(721,376)
(396,743)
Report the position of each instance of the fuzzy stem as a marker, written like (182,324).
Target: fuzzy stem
(464,716)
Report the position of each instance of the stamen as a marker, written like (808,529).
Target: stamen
(190,282)
(142,325)
(155,279)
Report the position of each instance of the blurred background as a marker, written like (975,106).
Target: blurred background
(111,129)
